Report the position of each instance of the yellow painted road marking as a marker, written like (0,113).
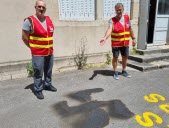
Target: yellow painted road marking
(146,120)
(154,98)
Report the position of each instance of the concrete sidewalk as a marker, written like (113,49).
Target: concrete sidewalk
(86,99)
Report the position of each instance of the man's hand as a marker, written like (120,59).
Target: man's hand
(134,42)
(102,41)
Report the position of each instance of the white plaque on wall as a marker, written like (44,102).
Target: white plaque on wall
(77,10)
(109,7)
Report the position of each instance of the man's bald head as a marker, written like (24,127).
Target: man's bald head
(40,7)
(37,2)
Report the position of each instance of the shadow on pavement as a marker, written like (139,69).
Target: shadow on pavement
(31,88)
(102,72)
(84,95)
(91,113)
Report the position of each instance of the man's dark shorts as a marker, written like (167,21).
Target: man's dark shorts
(123,50)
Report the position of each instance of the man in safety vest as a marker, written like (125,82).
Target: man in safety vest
(37,34)
(120,31)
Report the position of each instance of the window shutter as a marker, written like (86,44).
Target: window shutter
(109,6)
(77,10)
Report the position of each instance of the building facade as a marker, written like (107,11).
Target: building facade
(153,23)
(73,27)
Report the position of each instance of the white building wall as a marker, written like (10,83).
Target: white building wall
(67,34)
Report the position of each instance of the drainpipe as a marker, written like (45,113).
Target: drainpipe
(143,24)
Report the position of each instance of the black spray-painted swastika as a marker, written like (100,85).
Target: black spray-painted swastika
(90,114)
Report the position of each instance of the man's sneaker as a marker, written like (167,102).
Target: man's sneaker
(116,76)
(125,74)
(50,88)
(39,95)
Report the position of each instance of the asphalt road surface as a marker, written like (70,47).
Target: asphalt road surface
(89,99)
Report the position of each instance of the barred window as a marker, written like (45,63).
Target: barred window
(109,7)
(77,10)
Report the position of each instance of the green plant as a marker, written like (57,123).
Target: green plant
(80,58)
(108,59)
(30,69)
(89,66)
(134,51)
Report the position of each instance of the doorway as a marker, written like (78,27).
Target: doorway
(151,23)
(158,25)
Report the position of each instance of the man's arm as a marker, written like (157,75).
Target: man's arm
(107,34)
(132,37)
(26,30)
(25,37)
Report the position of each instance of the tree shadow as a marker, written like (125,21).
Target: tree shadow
(102,72)
(31,87)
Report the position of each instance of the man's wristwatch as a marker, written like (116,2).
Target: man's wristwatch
(133,38)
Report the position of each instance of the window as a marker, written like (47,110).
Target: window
(163,7)
(77,10)
(109,5)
